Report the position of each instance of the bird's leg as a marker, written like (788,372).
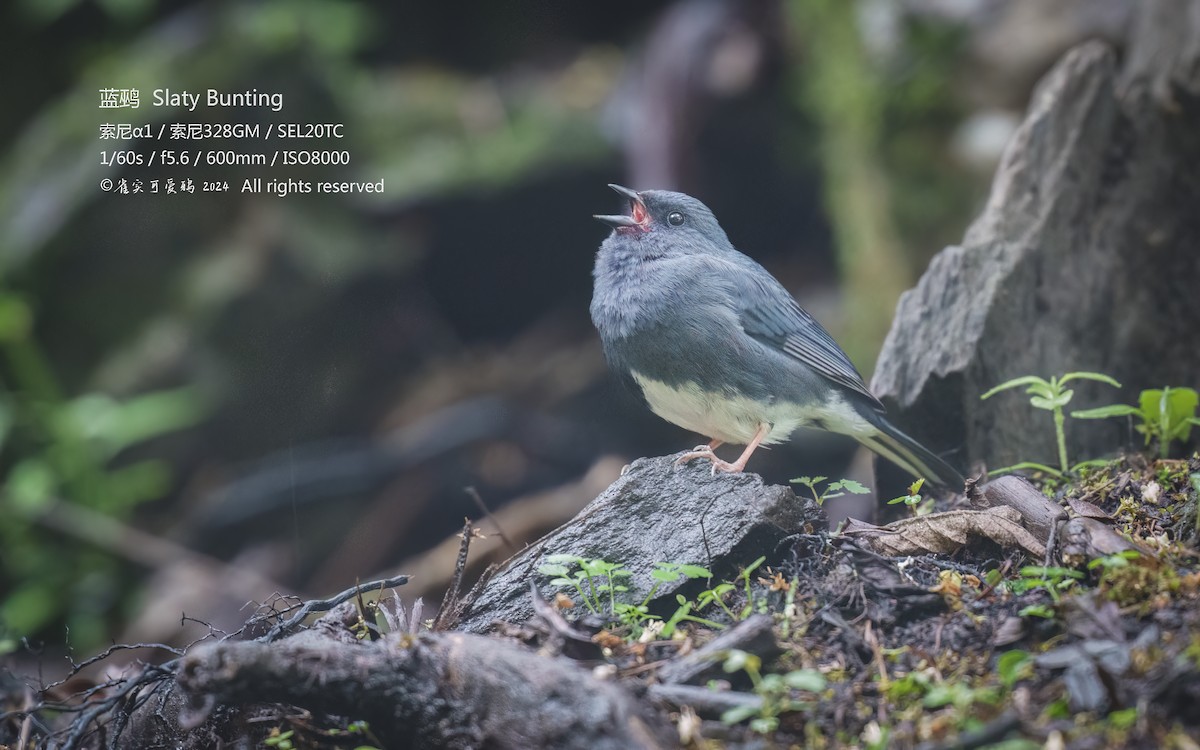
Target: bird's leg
(706,452)
(701,451)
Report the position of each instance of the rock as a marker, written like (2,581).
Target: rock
(1084,258)
(656,512)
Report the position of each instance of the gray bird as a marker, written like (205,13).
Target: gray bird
(716,345)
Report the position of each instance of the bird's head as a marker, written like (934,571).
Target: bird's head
(675,222)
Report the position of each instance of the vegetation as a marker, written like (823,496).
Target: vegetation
(833,489)
(1050,395)
(1165,415)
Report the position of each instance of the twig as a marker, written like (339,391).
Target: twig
(324,605)
(487,513)
(451,607)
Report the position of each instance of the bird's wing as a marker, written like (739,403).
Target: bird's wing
(770,315)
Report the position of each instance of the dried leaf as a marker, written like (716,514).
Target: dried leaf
(1087,509)
(946,533)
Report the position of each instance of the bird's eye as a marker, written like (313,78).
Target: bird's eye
(675,218)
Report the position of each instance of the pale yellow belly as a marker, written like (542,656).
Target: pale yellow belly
(735,419)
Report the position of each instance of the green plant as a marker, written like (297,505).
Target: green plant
(1052,396)
(1123,719)
(960,695)
(1131,579)
(592,581)
(775,691)
(751,604)
(637,615)
(913,499)
(716,595)
(832,490)
(595,583)
(1014,666)
(1166,415)
(71,465)
(1053,580)
(357,728)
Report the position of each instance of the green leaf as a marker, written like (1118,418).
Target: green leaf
(1037,610)
(1091,463)
(808,481)
(1104,412)
(1014,666)
(1041,403)
(1015,383)
(1054,401)
(695,571)
(1124,718)
(31,606)
(737,660)
(1025,465)
(31,485)
(1039,571)
(153,414)
(1097,376)
(849,485)
(805,679)
(941,695)
(1180,407)
(738,714)
(15,318)
(131,485)
(553,570)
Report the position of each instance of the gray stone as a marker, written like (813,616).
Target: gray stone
(656,512)
(1086,257)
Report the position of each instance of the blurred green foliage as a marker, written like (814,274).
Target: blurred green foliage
(66,440)
(893,194)
(67,452)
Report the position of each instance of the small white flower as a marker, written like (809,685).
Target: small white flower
(1150,492)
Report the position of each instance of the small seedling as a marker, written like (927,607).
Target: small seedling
(636,615)
(1014,666)
(832,490)
(775,691)
(913,499)
(716,595)
(684,614)
(1053,580)
(1166,415)
(592,581)
(1051,396)
(751,604)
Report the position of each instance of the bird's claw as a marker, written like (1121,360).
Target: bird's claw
(707,453)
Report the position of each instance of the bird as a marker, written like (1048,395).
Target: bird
(715,344)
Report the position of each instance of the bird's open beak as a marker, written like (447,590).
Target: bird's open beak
(639,217)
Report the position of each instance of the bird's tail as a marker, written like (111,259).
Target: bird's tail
(888,441)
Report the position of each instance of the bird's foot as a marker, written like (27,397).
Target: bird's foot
(718,464)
